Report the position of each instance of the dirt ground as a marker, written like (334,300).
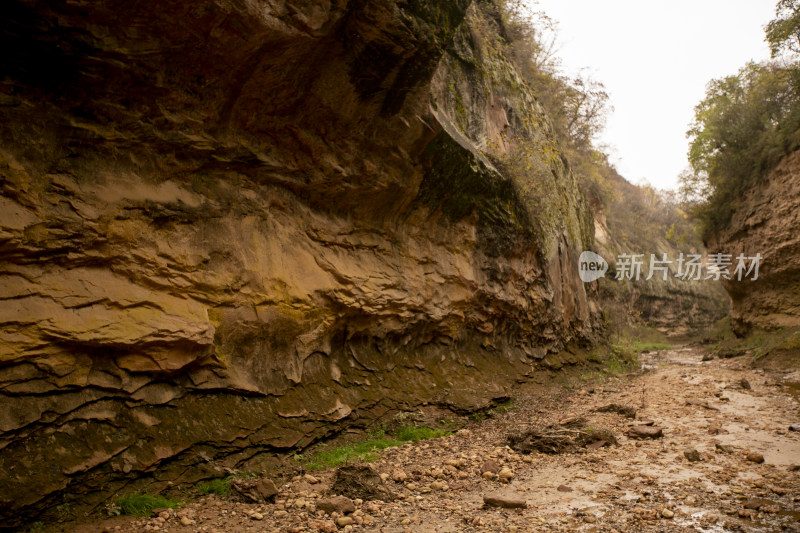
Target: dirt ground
(719,419)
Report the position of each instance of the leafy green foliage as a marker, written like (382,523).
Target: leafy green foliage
(783,33)
(744,126)
(143,504)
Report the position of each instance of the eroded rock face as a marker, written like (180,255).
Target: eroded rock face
(766,222)
(228,228)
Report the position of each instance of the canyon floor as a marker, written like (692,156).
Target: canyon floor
(719,420)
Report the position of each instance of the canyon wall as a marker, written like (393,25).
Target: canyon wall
(230,228)
(766,221)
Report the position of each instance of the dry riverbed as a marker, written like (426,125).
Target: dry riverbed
(726,460)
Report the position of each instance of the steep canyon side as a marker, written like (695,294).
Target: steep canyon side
(634,223)
(765,221)
(229,228)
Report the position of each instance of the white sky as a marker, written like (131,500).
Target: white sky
(655,58)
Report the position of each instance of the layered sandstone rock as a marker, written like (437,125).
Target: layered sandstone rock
(228,228)
(766,222)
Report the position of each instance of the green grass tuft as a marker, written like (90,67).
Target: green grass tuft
(650,346)
(366,451)
(143,504)
(418,433)
(220,487)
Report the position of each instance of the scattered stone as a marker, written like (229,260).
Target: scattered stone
(755,457)
(564,488)
(743,383)
(666,513)
(506,502)
(747,513)
(343,521)
(325,526)
(257,516)
(645,432)
(725,448)
(186,521)
(780,491)
(308,478)
(692,455)
(399,476)
(505,474)
(591,435)
(255,490)
(339,504)
(794,427)
(490,466)
(623,410)
(596,445)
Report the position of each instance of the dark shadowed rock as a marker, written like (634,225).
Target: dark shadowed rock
(692,455)
(624,410)
(360,482)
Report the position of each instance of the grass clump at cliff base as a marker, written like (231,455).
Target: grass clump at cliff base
(367,450)
(757,343)
(220,487)
(142,504)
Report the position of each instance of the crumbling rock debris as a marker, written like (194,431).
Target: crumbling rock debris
(360,482)
(623,410)
(255,490)
(561,439)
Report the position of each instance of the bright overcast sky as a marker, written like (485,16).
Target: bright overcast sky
(655,59)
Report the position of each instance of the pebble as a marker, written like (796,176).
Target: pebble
(645,432)
(490,466)
(325,526)
(692,455)
(345,521)
(666,513)
(339,504)
(399,476)
(505,474)
(755,457)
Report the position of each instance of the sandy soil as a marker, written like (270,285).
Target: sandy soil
(724,410)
